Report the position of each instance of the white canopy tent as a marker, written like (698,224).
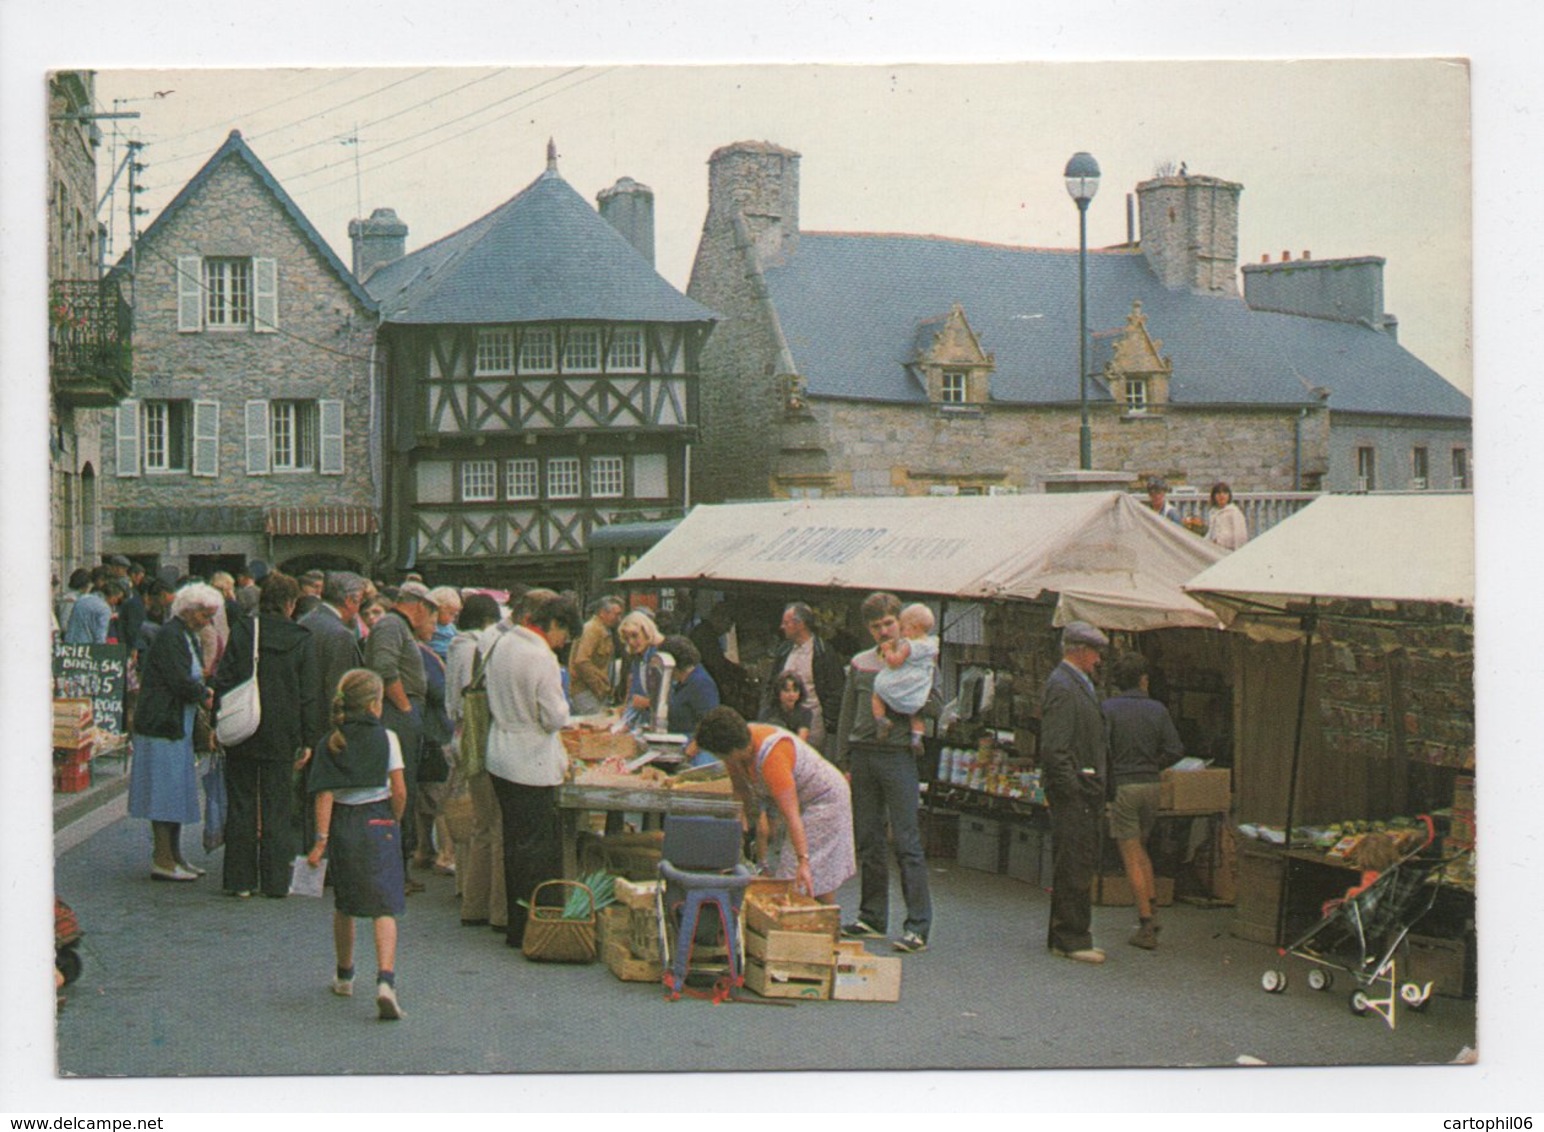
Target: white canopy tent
(1414,547)
(1107,559)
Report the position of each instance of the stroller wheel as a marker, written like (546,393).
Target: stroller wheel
(1359,1003)
(1273,982)
(1321,980)
(68,963)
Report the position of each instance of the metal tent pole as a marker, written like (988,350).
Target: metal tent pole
(1310,625)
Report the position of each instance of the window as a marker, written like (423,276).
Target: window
(606,480)
(495,352)
(1136,395)
(227,292)
(952,391)
(536,351)
(292,429)
(479,481)
(1366,469)
(166,436)
(626,351)
(521,479)
(1461,469)
(1418,471)
(581,350)
(563,477)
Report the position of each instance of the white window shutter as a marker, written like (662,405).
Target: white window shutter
(331,457)
(127,428)
(257,438)
(206,438)
(190,294)
(265,295)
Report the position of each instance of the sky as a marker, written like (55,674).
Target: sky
(974,151)
(1357,159)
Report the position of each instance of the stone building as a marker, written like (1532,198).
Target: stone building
(861,363)
(89,334)
(541,381)
(251,432)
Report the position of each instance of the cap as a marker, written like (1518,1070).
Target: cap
(117,560)
(416,591)
(1078,634)
(1157,483)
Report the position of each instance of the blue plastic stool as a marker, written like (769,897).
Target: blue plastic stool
(700,866)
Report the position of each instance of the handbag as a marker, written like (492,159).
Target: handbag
(240,708)
(476,719)
(215,803)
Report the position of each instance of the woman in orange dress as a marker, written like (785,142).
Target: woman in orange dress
(776,772)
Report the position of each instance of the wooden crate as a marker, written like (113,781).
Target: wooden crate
(612,922)
(811,981)
(643,933)
(788,947)
(635,894)
(790,912)
(629,968)
(594,746)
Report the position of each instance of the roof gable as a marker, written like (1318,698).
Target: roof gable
(849,305)
(236,147)
(544,255)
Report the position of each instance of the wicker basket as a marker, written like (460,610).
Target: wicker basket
(549,938)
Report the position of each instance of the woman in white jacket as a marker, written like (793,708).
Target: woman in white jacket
(526,758)
(1227,527)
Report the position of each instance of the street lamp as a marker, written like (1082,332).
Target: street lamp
(1082,176)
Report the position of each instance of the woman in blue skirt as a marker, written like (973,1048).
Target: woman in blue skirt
(357,780)
(163,787)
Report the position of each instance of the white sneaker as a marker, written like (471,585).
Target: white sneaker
(386,1006)
(343,988)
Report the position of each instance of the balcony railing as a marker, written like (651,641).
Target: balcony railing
(89,342)
(1262,509)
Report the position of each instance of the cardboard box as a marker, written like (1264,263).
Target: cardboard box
(983,844)
(789,980)
(1113,890)
(590,746)
(1195,789)
(861,977)
(627,967)
(789,947)
(789,912)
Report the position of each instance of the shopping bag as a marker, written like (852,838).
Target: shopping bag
(215,802)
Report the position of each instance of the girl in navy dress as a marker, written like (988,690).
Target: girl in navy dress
(357,780)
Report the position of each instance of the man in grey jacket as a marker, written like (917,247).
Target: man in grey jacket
(1074,758)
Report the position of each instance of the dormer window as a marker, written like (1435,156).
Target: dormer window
(1137,373)
(1136,395)
(949,360)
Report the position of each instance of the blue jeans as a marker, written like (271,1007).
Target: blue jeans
(885,799)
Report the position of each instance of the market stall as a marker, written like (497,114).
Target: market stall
(1003,573)
(1355,661)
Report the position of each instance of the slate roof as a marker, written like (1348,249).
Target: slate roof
(850,306)
(543,255)
(235,146)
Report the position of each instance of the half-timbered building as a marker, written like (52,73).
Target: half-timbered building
(541,381)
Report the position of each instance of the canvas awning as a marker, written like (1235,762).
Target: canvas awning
(340,519)
(1406,547)
(1105,557)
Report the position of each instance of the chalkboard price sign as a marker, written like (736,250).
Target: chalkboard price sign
(94,672)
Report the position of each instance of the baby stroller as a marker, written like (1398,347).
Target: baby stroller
(67,936)
(1360,934)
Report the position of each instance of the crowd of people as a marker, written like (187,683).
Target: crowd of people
(368,728)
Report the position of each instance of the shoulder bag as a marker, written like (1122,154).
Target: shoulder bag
(476,719)
(240,708)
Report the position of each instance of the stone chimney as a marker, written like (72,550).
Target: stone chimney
(629,208)
(1342,290)
(760,182)
(1190,232)
(377,241)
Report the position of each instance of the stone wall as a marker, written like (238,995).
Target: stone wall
(1392,439)
(1190,232)
(320,350)
(888,449)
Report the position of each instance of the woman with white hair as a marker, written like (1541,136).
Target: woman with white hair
(163,787)
(645,671)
